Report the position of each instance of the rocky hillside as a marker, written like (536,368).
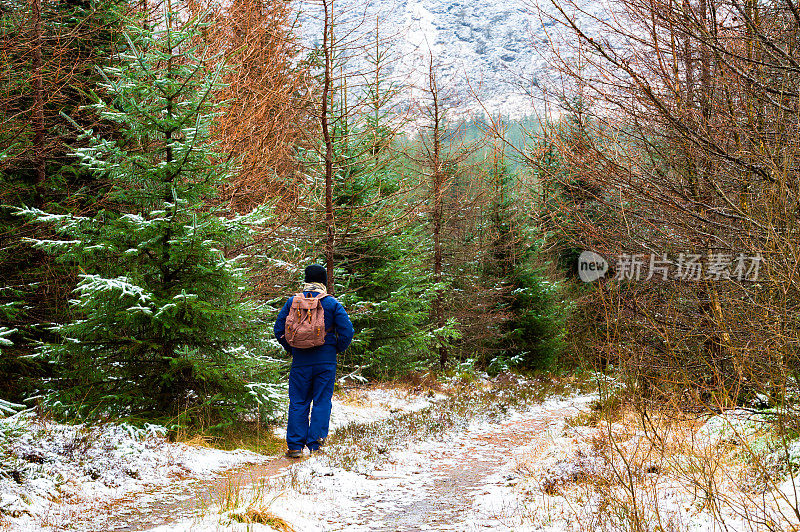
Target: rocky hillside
(495,49)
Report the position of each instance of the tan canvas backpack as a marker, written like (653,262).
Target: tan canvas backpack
(305,324)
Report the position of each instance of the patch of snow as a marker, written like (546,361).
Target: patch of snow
(733,428)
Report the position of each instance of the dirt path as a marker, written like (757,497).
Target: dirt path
(463,471)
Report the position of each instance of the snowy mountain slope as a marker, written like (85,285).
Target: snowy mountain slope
(495,49)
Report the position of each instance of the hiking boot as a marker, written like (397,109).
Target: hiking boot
(294,453)
(318,447)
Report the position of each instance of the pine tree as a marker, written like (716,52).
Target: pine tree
(266,86)
(443,161)
(514,317)
(572,205)
(7,407)
(387,285)
(158,322)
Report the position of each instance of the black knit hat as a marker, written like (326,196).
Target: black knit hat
(316,274)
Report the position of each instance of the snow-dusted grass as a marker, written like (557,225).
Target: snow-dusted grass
(369,404)
(585,470)
(51,473)
(662,472)
(380,456)
(359,446)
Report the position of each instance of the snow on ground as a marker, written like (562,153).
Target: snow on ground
(50,472)
(539,469)
(314,496)
(701,480)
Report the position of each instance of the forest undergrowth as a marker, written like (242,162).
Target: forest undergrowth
(622,466)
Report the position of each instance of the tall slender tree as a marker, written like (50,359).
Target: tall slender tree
(325,115)
(439,157)
(438,180)
(50,54)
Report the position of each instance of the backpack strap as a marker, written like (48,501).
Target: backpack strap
(320,297)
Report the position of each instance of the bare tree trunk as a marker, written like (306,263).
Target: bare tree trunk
(688,60)
(326,47)
(38,95)
(724,166)
(705,61)
(438,181)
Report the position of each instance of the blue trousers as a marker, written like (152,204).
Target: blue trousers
(307,385)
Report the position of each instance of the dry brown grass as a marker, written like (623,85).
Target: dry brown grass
(656,471)
(264,517)
(196,440)
(417,382)
(353,397)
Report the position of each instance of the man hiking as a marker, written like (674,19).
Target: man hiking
(313,326)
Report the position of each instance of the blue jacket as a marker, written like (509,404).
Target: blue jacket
(336,321)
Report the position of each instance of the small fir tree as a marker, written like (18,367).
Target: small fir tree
(531,333)
(159,317)
(571,208)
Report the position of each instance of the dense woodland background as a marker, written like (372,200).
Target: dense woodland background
(168,170)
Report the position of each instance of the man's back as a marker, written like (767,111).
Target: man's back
(338,328)
(313,370)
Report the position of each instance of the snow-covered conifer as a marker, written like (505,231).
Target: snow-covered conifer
(158,308)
